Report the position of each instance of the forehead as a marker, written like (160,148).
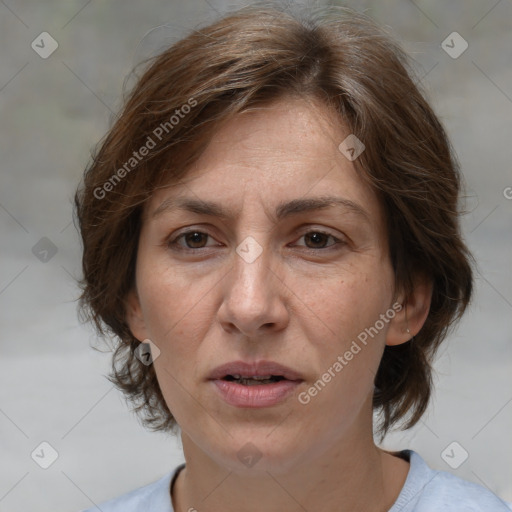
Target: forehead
(276,153)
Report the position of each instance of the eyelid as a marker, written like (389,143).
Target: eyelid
(173,239)
(337,240)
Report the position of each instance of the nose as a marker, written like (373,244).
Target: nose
(254,298)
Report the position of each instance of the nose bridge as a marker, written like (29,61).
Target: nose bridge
(252,299)
(250,277)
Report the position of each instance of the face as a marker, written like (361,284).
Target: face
(271,249)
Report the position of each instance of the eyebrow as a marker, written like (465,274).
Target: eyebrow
(283,210)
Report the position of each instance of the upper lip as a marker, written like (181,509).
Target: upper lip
(254,369)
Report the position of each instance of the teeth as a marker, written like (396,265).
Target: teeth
(237,376)
(254,380)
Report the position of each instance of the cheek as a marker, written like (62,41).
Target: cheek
(347,336)
(178,313)
(177,317)
(174,306)
(344,305)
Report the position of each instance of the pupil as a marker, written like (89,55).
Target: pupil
(317,238)
(195,239)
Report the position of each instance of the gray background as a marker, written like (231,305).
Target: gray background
(52,113)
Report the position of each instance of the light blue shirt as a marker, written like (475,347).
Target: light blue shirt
(425,490)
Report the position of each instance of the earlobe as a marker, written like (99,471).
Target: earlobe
(134,316)
(408,322)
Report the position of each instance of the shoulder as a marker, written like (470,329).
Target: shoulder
(154,497)
(428,490)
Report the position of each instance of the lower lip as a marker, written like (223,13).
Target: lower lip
(261,395)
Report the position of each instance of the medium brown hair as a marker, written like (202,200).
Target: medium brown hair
(253,57)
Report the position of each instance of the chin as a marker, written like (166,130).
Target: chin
(256,452)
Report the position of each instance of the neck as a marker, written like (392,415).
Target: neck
(353,475)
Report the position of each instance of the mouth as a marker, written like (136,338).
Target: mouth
(254,380)
(255,371)
(254,385)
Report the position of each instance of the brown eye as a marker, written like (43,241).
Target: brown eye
(195,239)
(191,240)
(319,240)
(316,240)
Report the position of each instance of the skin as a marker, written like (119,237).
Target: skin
(301,303)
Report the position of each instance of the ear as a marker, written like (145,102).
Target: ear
(412,316)
(134,316)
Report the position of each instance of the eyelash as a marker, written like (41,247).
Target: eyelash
(174,242)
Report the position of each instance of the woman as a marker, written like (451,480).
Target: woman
(271,230)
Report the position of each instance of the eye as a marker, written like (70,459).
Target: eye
(192,240)
(319,240)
